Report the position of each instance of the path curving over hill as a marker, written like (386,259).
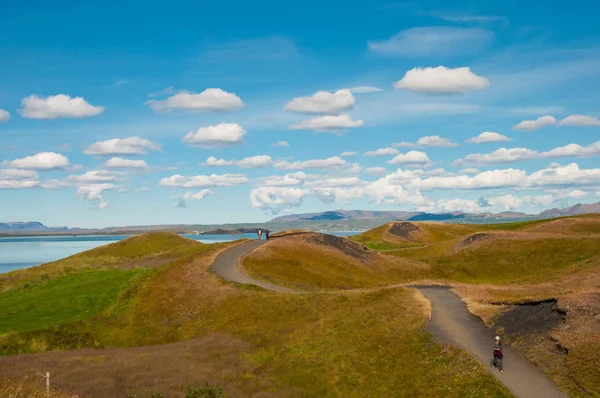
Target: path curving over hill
(452,323)
(228,266)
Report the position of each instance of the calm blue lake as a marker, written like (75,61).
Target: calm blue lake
(24,252)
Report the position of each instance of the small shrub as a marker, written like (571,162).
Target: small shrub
(206,391)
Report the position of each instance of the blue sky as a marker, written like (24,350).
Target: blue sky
(126,113)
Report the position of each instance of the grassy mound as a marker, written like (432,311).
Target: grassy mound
(317,261)
(142,251)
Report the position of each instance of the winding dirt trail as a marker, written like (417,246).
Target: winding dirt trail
(451,322)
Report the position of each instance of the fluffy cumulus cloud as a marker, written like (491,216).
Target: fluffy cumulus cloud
(322,102)
(276,199)
(95,193)
(375,170)
(436,40)
(511,155)
(348,153)
(55,106)
(442,80)
(404,144)
(488,136)
(4,116)
(220,135)
(316,164)
(290,179)
(470,170)
(122,146)
(183,200)
(211,99)
(328,124)
(364,89)
(281,144)
(569,175)
(530,125)
(502,155)
(435,141)
(573,150)
(18,179)
(580,121)
(91,177)
(43,161)
(122,163)
(411,157)
(213,180)
(382,152)
(252,162)
(486,179)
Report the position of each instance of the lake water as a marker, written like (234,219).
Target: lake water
(23,252)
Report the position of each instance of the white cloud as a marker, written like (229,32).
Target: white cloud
(322,102)
(211,99)
(220,135)
(122,146)
(214,180)
(375,170)
(486,179)
(334,182)
(470,170)
(317,164)
(442,80)
(435,141)
(579,120)
(43,161)
(187,197)
(92,176)
(252,162)
(488,136)
(404,144)
(276,199)
(328,123)
(502,155)
(214,162)
(95,192)
(530,125)
(387,190)
(382,152)
(537,110)
(281,144)
(573,150)
(290,179)
(432,40)
(365,89)
(565,175)
(338,195)
(4,116)
(121,163)
(55,106)
(348,153)
(18,179)
(255,162)
(553,165)
(411,157)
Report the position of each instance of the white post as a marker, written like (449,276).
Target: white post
(47,384)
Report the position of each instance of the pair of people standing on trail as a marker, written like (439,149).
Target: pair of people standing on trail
(498,355)
(260,232)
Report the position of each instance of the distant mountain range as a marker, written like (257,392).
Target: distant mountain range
(328,220)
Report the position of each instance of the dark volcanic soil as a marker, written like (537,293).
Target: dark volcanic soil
(527,319)
(346,246)
(403,229)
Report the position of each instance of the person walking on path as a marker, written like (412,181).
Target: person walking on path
(259,233)
(267,234)
(498,355)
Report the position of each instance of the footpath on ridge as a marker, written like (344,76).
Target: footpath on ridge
(451,322)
